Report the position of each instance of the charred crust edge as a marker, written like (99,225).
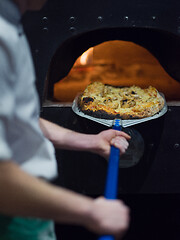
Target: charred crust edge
(104,115)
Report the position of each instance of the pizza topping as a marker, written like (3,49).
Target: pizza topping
(125,102)
(107,100)
(88,99)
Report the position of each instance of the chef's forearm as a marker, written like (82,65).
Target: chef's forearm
(67,139)
(97,143)
(24,195)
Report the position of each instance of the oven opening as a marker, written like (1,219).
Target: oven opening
(118,63)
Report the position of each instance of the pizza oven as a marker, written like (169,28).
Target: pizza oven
(121,43)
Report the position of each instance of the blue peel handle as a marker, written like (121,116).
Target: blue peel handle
(112,175)
(106,237)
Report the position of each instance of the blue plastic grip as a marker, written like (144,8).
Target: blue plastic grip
(112,175)
(113,168)
(106,237)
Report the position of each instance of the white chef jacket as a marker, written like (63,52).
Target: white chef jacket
(21,138)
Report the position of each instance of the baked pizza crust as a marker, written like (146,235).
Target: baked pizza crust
(108,102)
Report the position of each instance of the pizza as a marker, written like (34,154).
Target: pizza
(109,102)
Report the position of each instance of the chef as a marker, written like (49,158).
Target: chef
(29,203)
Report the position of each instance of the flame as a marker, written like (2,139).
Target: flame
(87,57)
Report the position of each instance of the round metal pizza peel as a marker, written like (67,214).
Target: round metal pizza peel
(129,159)
(136,144)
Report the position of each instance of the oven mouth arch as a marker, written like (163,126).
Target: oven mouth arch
(163,45)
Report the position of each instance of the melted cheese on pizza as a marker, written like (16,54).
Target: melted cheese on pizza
(126,102)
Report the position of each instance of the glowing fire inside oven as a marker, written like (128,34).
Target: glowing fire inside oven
(117,63)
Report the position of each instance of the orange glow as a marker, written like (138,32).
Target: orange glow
(116,63)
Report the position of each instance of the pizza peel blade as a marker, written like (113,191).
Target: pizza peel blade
(136,144)
(114,159)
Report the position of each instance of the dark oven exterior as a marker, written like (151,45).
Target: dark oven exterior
(60,33)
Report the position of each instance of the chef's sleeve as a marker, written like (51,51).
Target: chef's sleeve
(7,99)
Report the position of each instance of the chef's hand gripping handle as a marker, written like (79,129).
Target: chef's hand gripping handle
(112,175)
